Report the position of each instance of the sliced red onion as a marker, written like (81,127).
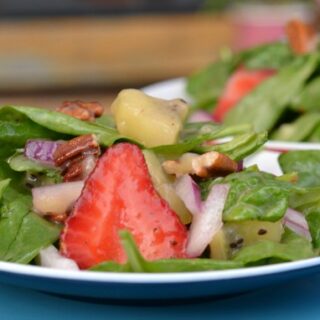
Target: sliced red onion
(297,222)
(208,222)
(188,191)
(200,116)
(240,166)
(41,150)
(57,198)
(51,258)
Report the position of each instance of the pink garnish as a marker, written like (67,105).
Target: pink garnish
(208,222)
(41,150)
(200,116)
(297,222)
(188,191)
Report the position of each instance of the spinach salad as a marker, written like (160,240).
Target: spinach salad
(142,190)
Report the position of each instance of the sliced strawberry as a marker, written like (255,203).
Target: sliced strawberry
(119,195)
(239,85)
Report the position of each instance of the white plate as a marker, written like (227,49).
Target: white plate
(151,287)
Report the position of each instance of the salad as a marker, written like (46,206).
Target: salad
(141,190)
(275,86)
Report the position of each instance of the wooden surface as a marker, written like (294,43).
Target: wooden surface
(52,100)
(106,52)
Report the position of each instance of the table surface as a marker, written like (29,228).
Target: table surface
(295,300)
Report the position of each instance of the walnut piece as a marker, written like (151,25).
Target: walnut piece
(82,110)
(213,164)
(207,165)
(77,156)
(302,37)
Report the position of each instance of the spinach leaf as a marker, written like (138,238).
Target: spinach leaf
(207,85)
(315,136)
(253,195)
(111,266)
(264,105)
(309,98)
(106,120)
(194,135)
(313,219)
(292,248)
(239,147)
(18,162)
(23,233)
(268,56)
(136,263)
(16,129)
(306,163)
(305,199)
(3,185)
(57,122)
(299,130)
(196,129)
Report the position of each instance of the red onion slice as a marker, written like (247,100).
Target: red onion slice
(240,166)
(51,258)
(41,150)
(57,198)
(200,116)
(208,222)
(188,191)
(297,222)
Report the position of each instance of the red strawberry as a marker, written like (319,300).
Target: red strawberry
(119,195)
(241,83)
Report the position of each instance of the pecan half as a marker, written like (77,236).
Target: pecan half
(302,37)
(82,110)
(77,156)
(207,165)
(75,147)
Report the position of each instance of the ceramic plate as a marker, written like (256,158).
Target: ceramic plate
(159,287)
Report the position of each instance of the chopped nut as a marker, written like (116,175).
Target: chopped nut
(73,171)
(75,147)
(204,166)
(82,110)
(213,164)
(77,157)
(302,37)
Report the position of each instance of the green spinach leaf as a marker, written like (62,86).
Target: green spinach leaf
(268,56)
(253,195)
(194,136)
(136,263)
(47,174)
(292,248)
(53,122)
(264,105)
(23,233)
(309,98)
(306,163)
(207,85)
(16,129)
(299,130)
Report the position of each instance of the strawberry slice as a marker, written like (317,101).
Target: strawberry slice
(242,82)
(119,195)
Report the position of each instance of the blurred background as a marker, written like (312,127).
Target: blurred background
(89,49)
